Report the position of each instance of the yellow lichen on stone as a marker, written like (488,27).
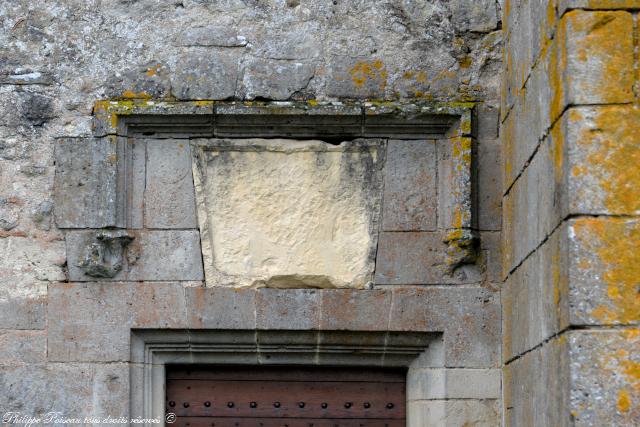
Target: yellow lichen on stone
(363,71)
(615,243)
(624,402)
(604,43)
(557,64)
(609,143)
(616,135)
(129,94)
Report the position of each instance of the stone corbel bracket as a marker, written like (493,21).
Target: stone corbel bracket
(104,254)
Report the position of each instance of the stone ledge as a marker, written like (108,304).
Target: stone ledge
(285,119)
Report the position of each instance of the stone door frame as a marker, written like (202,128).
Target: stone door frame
(151,350)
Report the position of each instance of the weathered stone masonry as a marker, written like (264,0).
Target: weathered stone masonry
(66,67)
(102,105)
(570,139)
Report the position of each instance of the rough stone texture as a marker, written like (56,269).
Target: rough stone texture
(489,185)
(85,191)
(536,387)
(410,186)
(472,343)
(151,255)
(103,390)
(598,56)
(64,63)
(418,258)
(22,347)
(454,413)
(274,78)
(605,386)
(277,309)
(234,309)
(568,132)
(99,331)
(601,152)
(468,317)
(535,298)
(436,384)
(603,288)
(285,213)
(169,198)
(28,266)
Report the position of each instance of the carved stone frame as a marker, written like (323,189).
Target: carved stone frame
(324,121)
(151,350)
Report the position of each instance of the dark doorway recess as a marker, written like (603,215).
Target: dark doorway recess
(285,396)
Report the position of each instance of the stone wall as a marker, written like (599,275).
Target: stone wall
(570,125)
(65,341)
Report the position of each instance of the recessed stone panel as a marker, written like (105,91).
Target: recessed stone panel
(288,214)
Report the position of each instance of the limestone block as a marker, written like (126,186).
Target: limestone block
(74,390)
(602,154)
(212,36)
(274,79)
(536,386)
(605,388)
(296,41)
(137,183)
(85,183)
(23,304)
(147,255)
(605,266)
(26,259)
(535,204)
(205,74)
(352,310)
(145,80)
(535,296)
(288,308)
(491,251)
(363,78)
(487,122)
(221,308)
(529,120)
(410,186)
(284,213)
(439,383)
(477,16)
(596,58)
(518,53)
(169,197)
(468,316)
(410,258)
(489,185)
(586,165)
(453,413)
(565,5)
(104,314)
(22,347)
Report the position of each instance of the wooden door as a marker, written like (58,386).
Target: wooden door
(231,396)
